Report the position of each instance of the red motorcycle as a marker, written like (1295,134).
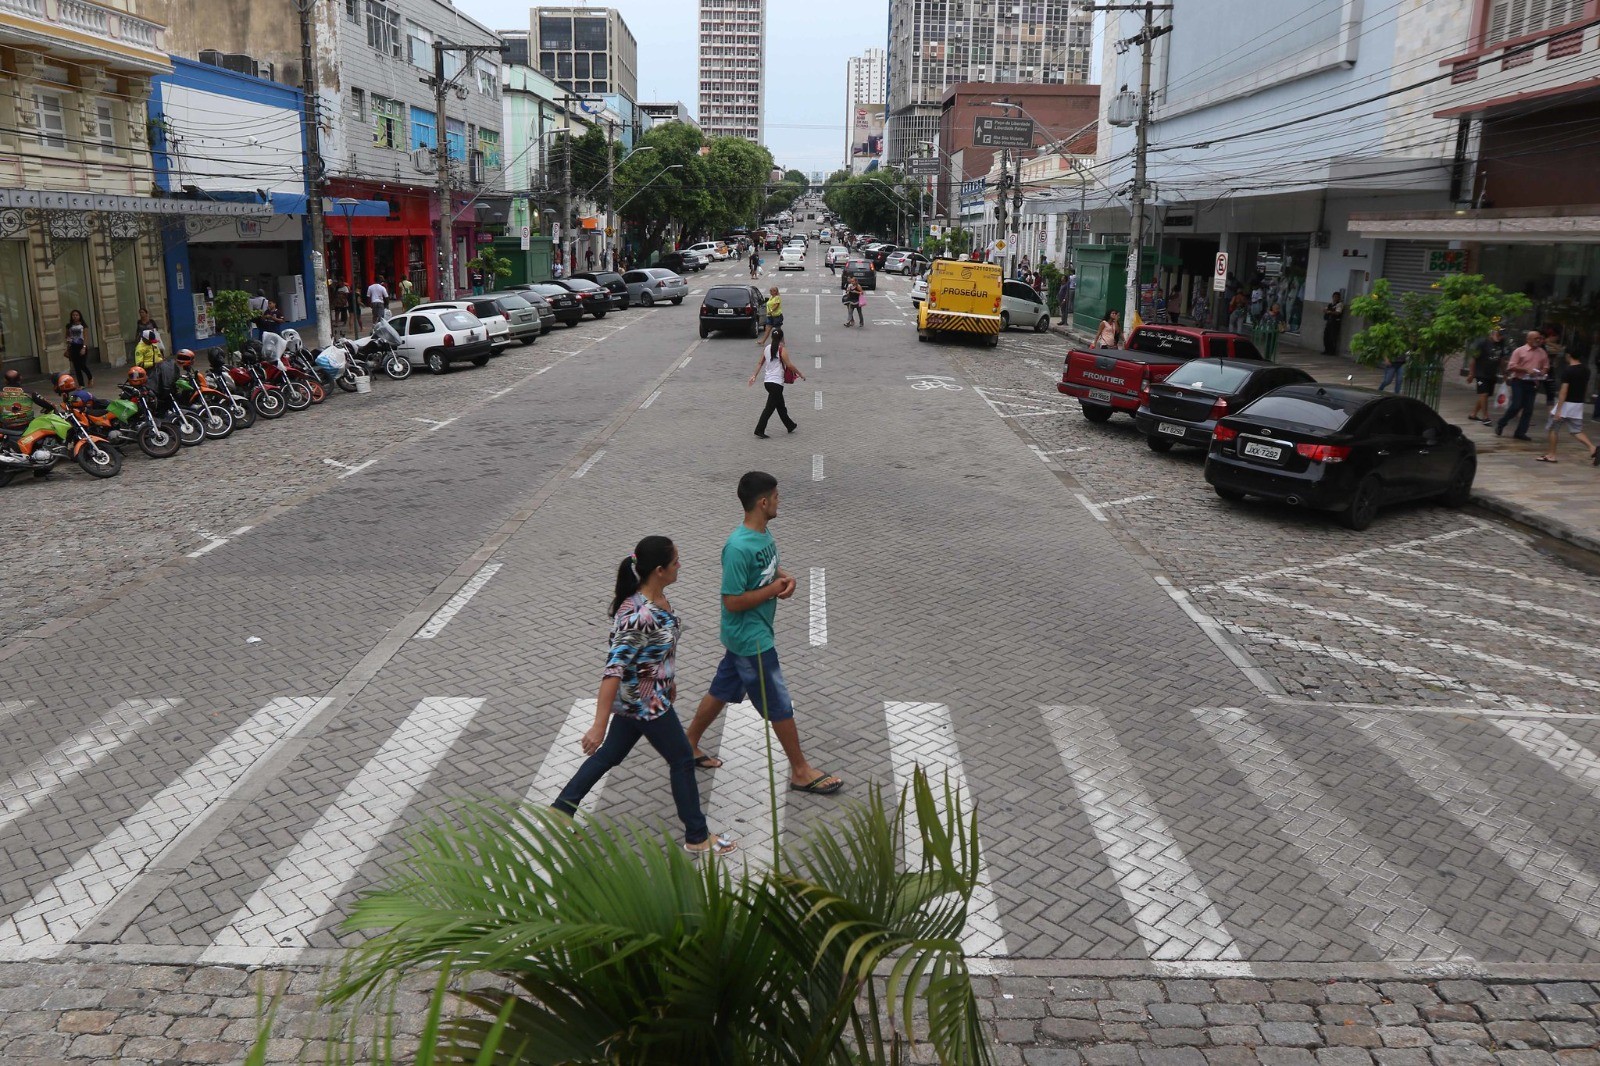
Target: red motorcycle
(280,374)
(250,378)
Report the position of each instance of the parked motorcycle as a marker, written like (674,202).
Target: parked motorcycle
(216,417)
(70,438)
(295,393)
(381,351)
(219,382)
(251,377)
(132,420)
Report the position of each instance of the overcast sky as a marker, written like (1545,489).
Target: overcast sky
(808,42)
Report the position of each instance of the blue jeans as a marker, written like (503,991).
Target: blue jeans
(666,735)
(1392,372)
(1523,393)
(758,677)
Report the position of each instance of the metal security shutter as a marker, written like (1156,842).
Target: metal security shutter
(1405,264)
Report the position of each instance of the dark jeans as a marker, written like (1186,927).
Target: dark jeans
(1392,373)
(1330,338)
(853,313)
(775,403)
(666,735)
(79,358)
(1523,394)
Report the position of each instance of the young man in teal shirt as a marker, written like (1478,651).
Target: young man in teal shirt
(752,585)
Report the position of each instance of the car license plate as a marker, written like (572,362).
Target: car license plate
(1174,430)
(1100,394)
(1263,451)
(724,310)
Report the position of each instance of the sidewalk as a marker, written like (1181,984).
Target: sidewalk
(1562,500)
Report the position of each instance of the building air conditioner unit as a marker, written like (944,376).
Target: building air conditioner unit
(211,57)
(268,71)
(240,63)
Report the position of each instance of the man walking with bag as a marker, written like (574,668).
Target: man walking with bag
(1529,366)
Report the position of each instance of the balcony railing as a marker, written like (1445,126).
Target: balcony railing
(96,20)
(1536,65)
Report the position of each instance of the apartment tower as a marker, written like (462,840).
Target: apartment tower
(733,68)
(864,86)
(934,44)
(586,50)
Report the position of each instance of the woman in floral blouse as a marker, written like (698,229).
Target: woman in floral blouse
(637,689)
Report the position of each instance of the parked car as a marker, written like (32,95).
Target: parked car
(862,271)
(792,258)
(655,284)
(440,336)
(1021,306)
(494,321)
(592,298)
(1185,407)
(1340,448)
(680,262)
(905,261)
(521,315)
(621,299)
(547,314)
(919,291)
(1108,380)
(564,303)
(709,249)
(730,307)
(838,255)
(880,255)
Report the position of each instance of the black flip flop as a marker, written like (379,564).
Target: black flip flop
(708,762)
(816,787)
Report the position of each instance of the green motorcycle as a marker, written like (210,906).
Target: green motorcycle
(56,433)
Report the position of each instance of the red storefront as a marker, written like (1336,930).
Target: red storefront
(363,246)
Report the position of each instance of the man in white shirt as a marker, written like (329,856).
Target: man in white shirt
(378,300)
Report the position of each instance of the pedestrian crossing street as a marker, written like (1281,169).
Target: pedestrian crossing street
(1532,894)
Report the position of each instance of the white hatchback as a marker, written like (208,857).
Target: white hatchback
(709,249)
(499,329)
(436,338)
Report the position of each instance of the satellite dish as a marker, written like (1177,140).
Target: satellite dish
(591,107)
(423,159)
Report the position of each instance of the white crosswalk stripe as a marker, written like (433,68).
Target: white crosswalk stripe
(71,759)
(73,900)
(1562,753)
(922,734)
(1168,902)
(306,882)
(739,801)
(563,758)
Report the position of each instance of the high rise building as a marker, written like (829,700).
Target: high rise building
(934,44)
(864,84)
(733,68)
(587,50)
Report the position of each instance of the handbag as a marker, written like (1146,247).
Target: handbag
(1502,394)
(790,374)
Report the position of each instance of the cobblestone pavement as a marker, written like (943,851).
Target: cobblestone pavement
(1209,747)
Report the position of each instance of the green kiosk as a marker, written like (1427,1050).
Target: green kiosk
(1103,280)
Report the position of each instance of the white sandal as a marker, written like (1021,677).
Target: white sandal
(721,844)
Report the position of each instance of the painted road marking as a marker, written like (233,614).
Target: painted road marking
(1091,507)
(648,400)
(1558,750)
(1504,571)
(72,902)
(816,468)
(71,759)
(686,360)
(819,606)
(1044,454)
(452,607)
(584,469)
(1495,598)
(1033,407)
(1348,557)
(816,364)
(436,424)
(1543,865)
(816,400)
(819,338)
(563,758)
(1128,499)
(739,800)
(922,734)
(818,320)
(296,898)
(1166,899)
(1386,900)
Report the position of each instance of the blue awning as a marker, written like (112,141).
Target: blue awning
(360,209)
(296,203)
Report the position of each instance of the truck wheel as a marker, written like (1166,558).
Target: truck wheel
(994,340)
(1096,412)
(1159,444)
(922,335)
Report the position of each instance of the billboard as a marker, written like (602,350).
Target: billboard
(866,135)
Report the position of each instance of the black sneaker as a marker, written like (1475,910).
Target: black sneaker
(760,434)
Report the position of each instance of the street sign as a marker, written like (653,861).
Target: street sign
(1041,237)
(1219,277)
(989,132)
(922,168)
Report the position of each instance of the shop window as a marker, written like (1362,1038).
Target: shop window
(489,146)
(105,114)
(16,306)
(424,129)
(387,116)
(455,136)
(383,28)
(419,46)
(49,113)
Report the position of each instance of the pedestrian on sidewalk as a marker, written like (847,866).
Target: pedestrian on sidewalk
(1487,365)
(637,690)
(1556,351)
(1393,371)
(77,336)
(378,300)
(1332,322)
(1109,335)
(752,583)
(855,300)
(775,371)
(1238,313)
(1572,387)
(1528,366)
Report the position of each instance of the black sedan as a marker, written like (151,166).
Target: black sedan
(547,314)
(1340,448)
(562,300)
(594,299)
(861,270)
(1185,407)
(730,307)
(621,299)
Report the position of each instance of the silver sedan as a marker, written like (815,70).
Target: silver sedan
(651,285)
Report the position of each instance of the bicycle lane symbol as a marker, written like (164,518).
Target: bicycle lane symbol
(930,382)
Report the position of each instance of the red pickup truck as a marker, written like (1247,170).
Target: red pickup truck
(1108,380)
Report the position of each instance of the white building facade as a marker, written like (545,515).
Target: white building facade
(865,82)
(733,68)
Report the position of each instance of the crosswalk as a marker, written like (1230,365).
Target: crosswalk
(1173,904)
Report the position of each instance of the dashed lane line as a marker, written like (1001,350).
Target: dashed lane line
(453,606)
(652,398)
(816,400)
(588,464)
(306,883)
(816,468)
(922,734)
(79,897)
(1165,897)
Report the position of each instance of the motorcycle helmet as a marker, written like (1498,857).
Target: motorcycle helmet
(291,339)
(184,356)
(217,361)
(137,377)
(66,383)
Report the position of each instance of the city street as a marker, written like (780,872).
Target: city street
(1203,739)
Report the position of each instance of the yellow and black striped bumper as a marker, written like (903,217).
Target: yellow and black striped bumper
(957,322)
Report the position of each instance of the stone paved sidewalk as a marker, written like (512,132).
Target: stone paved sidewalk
(1562,500)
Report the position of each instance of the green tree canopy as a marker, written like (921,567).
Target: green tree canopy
(1430,325)
(589,152)
(873,203)
(715,185)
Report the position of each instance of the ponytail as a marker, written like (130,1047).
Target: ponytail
(649,555)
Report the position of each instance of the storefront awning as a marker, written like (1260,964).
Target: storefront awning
(52,200)
(1575,224)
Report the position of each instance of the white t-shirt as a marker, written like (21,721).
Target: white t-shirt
(772,369)
(377,294)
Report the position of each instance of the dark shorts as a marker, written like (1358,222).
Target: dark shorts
(1486,386)
(776,321)
(739,677)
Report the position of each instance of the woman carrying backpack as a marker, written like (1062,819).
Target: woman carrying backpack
(775,371)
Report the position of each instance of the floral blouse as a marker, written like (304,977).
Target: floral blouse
(644,641)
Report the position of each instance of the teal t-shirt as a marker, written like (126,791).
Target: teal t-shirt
(749,561)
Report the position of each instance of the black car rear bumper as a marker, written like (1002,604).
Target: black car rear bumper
(1323,487)
(1195,433)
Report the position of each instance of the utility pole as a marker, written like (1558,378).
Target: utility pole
(611,194)
(314,176)
(1016,198)
(566,189)
(441,152)
(1000,206)
(1146,38)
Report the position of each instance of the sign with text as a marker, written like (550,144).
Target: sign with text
(990,132)
(972,192)
(1219,276)
(922,168)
